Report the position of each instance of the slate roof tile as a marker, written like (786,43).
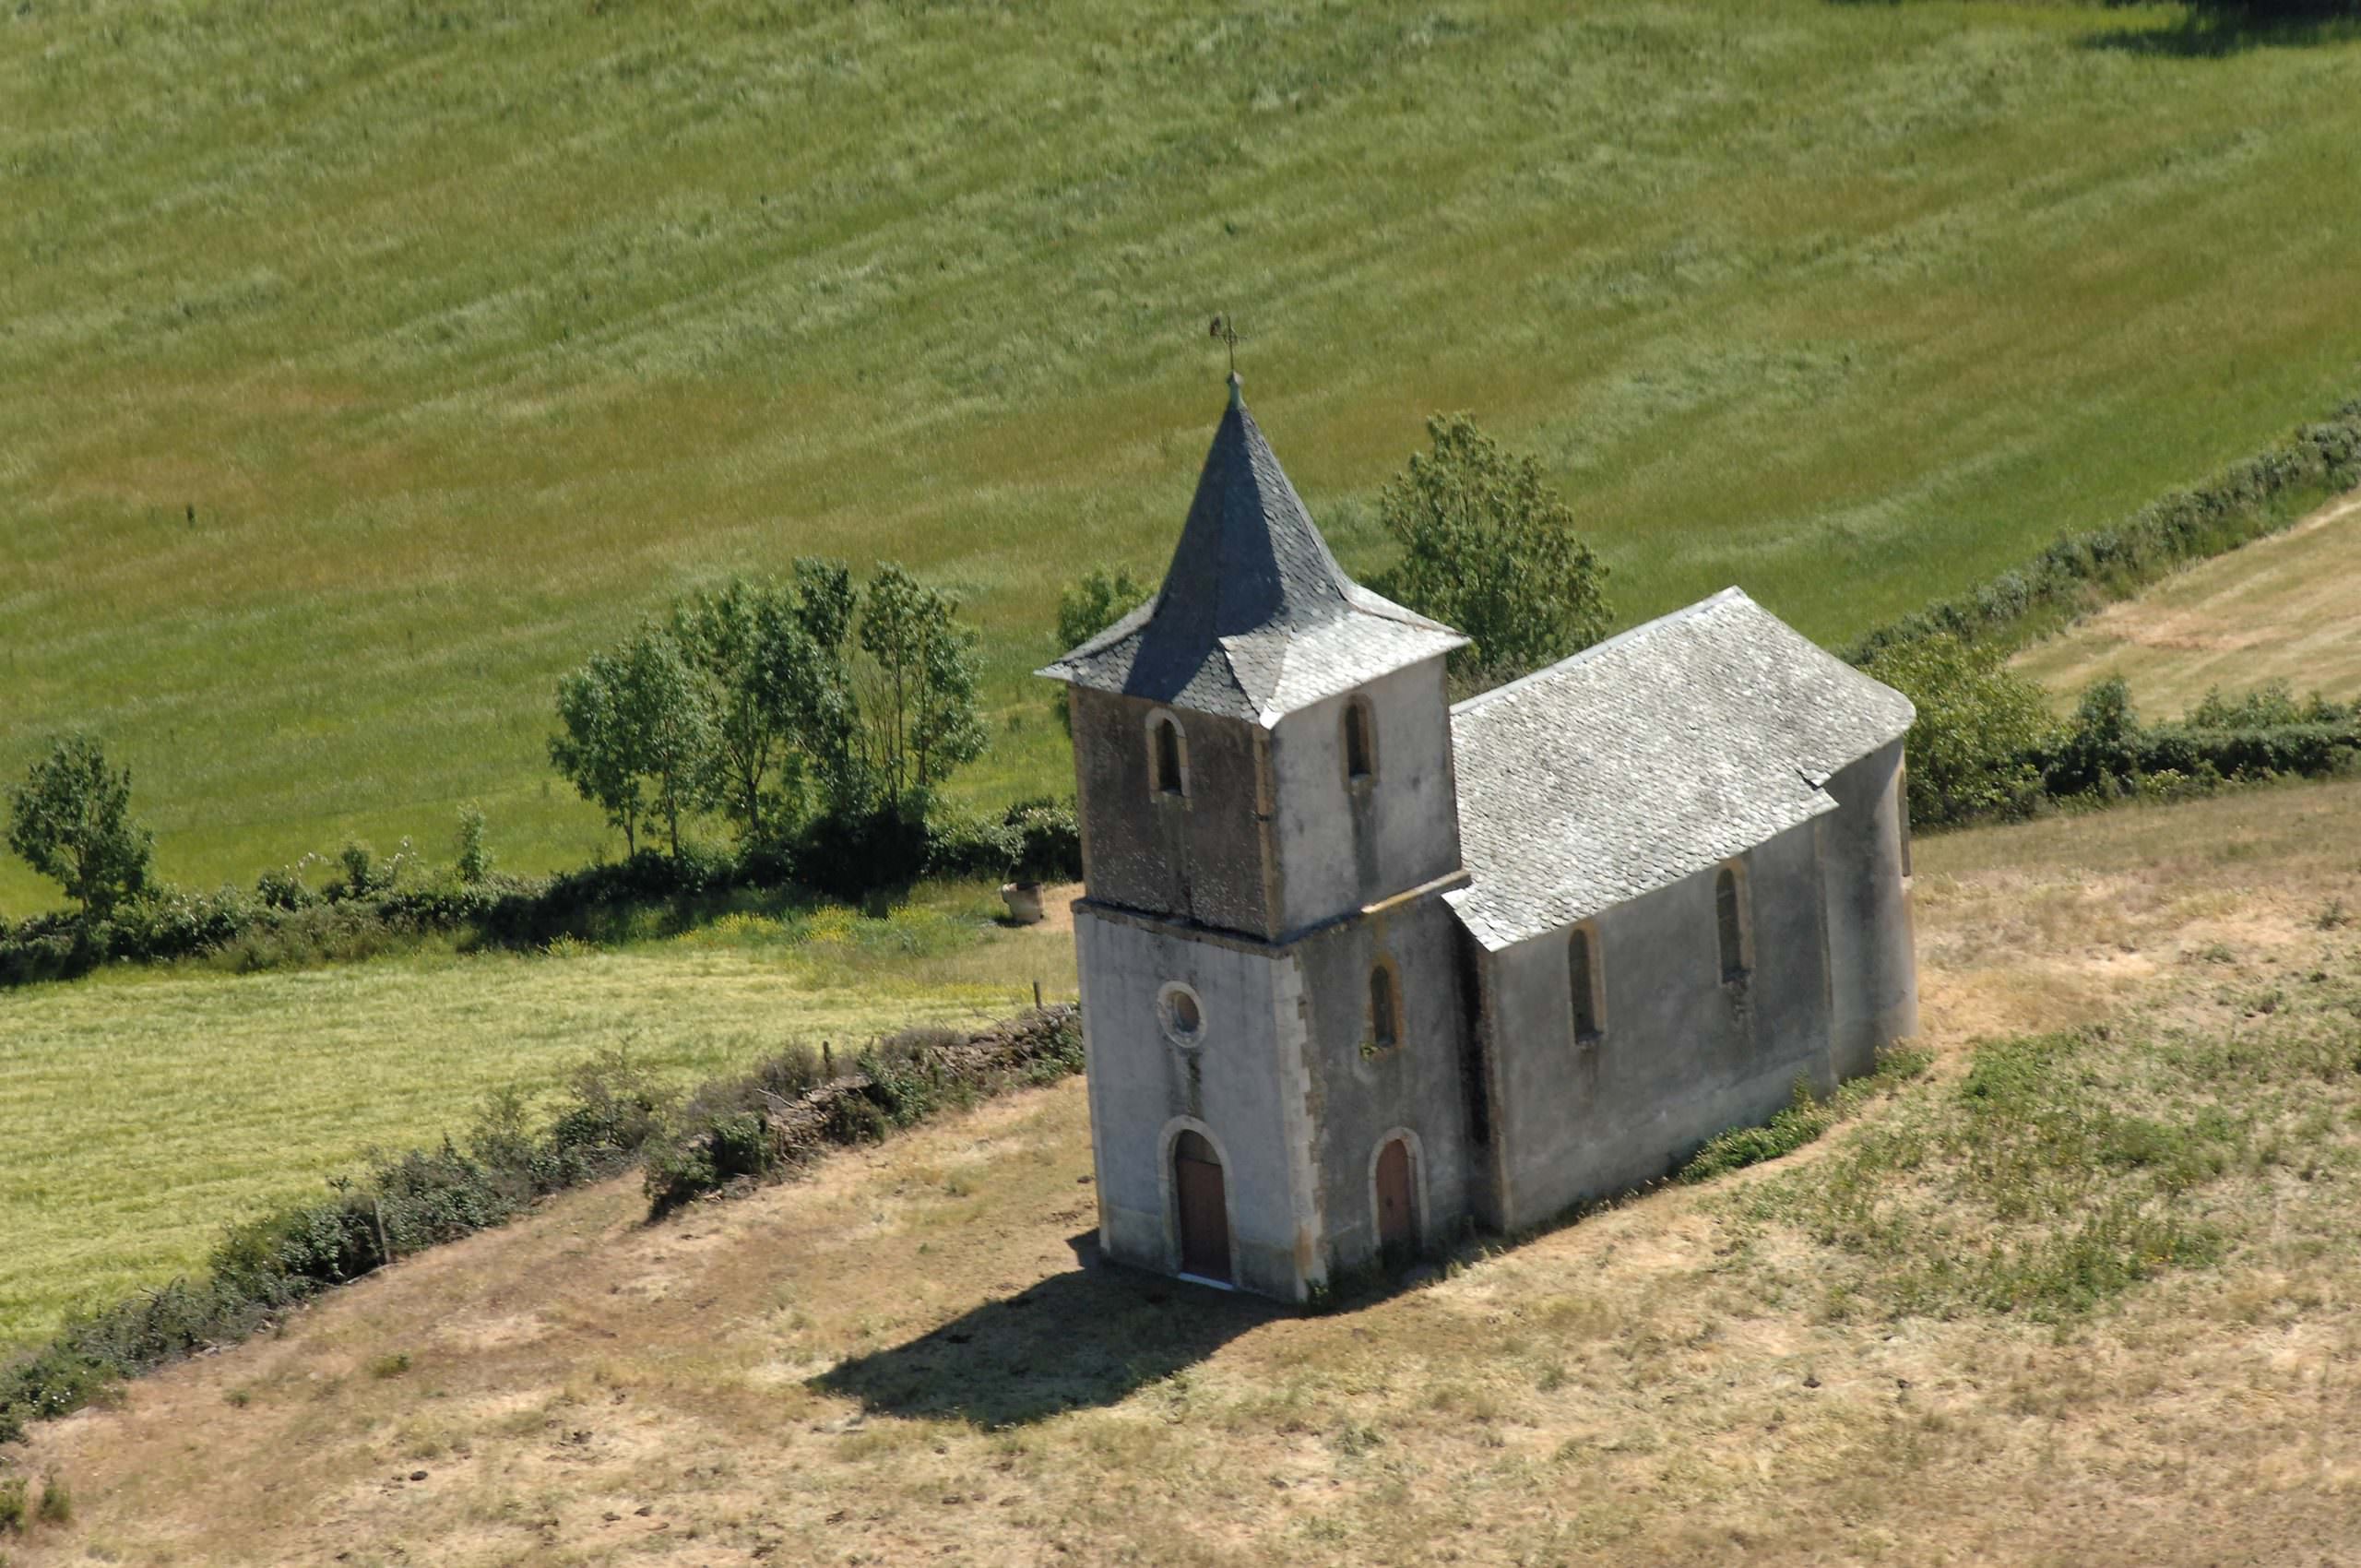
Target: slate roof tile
(1255,619)
(1648,758)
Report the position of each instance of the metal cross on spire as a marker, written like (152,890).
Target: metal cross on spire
(1226,331)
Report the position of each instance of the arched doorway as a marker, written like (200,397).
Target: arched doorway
(1397,1204)
(1205,1210)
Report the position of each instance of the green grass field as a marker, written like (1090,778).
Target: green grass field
(472,333)
(143,1109)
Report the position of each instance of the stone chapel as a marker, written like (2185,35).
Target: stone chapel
(1360,968)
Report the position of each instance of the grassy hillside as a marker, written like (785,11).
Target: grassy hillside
(364,368)
(2279,609)
(140,1110)
(2086,1298)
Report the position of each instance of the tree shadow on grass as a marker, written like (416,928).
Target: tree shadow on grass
(1086,1339)
(2219,31)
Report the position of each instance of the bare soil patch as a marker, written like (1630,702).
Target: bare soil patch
(903,1357)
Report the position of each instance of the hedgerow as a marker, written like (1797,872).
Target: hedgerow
(611,1112)
(373,910)
(2081,571)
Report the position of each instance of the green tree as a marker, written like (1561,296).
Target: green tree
(637,734)
(1488,547)
(594,748)
(918,718)
(71,821)
(671,725)
(806,658)
(1980,728)
(723,637)
(1087,606)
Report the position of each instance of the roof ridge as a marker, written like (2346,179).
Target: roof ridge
(1731,595)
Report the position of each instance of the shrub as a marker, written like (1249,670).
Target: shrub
(359,862)
(2244,501)
(1973,747)
(2100,748)
(773,1119)
(1803,1120)
(849,855)
(473,861)
(12,1502)
(56,1501)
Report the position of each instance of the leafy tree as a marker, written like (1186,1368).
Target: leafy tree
(637,734)
(71,821)
(723,635)
(1095,601)
(595,749)
(1488,547)
(1979,727)
(920,718)
(1087,606)
(670,723)
(807,671)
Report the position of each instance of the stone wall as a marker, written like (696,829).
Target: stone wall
(1682,1054)
(1341,847)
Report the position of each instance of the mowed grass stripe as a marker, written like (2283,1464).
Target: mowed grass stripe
(141,1110)
(2279,609)
(473,340)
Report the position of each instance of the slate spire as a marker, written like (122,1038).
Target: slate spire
(1250,559)
(1255,618)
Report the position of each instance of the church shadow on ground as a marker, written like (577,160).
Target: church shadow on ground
(1085,1339)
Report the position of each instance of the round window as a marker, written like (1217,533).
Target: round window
(1182,1013)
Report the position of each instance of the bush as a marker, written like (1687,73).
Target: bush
(850,856)
(2105,752)
(284,921)
(474,863)
(774,1118)
(2079,571)
(1973,747)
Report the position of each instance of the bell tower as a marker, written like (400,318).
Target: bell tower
(1262,764)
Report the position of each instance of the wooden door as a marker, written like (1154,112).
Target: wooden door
(1397,1204)
(1205,1214)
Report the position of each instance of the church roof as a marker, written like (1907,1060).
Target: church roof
(1648,758)
(1255,619)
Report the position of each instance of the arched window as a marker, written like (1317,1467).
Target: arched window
(1581,982)
(1729,922)
(1167,756)
(1385,1009)
(1902,813)
(1361,741)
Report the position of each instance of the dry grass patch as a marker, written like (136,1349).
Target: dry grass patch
(2279,609)
(898,1359)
